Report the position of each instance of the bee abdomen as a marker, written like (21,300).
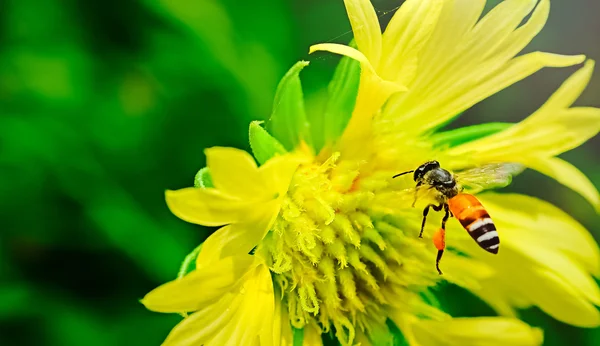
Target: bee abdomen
(476,220)
(483,231)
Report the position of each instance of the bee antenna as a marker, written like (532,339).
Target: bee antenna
(403,173)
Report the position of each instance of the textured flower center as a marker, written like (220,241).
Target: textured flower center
(338,255)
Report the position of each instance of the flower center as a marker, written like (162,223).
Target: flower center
(338,254)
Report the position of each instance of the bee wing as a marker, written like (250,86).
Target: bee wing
(490,176)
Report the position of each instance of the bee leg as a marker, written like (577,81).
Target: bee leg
(425,212)
(416,193)
(439,240)
(446,215)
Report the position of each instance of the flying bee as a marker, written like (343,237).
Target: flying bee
(465,207)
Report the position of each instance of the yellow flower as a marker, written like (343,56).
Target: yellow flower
(328,243)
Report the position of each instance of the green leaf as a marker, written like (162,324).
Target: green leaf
(466,134)
(342,92)
(264,146)
(288,121)
(203,179)
(298,336)
(397,335)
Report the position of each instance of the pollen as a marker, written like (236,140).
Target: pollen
(337,260)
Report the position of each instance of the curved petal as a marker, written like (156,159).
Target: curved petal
(200,287)
(346,51)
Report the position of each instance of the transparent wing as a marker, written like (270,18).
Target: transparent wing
(490,176)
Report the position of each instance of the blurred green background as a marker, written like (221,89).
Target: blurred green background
(104,105)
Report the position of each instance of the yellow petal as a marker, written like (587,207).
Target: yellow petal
(279,171)
(205,325)
(457,18)
(281,331)
(572,88)
(547,288)
(200,287)
(493,29)
(568,175)
(388,87)
(522,36)
(450,101)
(481,331)
(256,310)
(234,172)
(208,207)
(365,27)
(237,318)
(346,51)
(546,225)
(238,238)
(405,36)
(549,131)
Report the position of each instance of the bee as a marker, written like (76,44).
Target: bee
(465,207)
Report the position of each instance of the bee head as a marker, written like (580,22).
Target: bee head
(424,168)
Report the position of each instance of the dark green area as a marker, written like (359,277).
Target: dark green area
(105,105)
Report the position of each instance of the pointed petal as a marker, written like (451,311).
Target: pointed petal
(239,238)
(471,89)
(572,88)
(568,175)
(234,172)
(365,27)
(207,206)
(481,331)
(197,289)
(522,36)
(405,36)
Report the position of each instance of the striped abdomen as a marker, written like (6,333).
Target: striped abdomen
(476,220)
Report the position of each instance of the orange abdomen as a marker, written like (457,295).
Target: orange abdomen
(475,219)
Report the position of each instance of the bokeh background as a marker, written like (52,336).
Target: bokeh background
(105,104)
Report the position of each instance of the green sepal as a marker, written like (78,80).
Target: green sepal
(288,121)
(466,134)
(264,146)
(298,336)
(203,179)
(189,263)
(342,92)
